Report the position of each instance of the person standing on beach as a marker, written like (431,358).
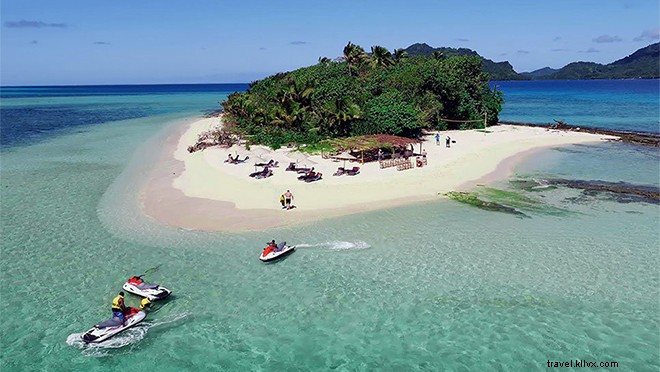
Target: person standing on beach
(448,142)
(380,155)
(437,139)
(288,198)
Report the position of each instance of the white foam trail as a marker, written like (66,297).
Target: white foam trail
(338,245)
(128,337)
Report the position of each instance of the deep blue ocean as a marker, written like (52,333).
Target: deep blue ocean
(631,105)
(29,114)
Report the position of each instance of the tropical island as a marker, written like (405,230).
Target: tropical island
(364,94)
(363,132)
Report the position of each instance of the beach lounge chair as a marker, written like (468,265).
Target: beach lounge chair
(353,172)
(236,160)
(310,177)
(271,164)
(292,167)
(265,173)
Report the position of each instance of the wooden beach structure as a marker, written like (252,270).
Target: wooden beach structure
(370,143)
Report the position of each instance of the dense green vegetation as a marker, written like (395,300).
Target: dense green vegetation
(360,94)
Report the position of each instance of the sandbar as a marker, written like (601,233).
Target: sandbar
(200,191)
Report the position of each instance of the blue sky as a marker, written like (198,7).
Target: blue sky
(206,41)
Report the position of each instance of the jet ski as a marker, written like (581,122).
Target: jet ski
(272,253)
(111,327)
(153,292)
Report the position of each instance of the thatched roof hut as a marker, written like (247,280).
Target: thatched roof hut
(367,145)
(371,142)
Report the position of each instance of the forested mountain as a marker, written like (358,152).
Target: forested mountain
(495,70)
(540,73)
(642,64)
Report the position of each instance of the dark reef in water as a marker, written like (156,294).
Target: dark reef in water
(472,199)
(624,192)
(620,191)
(639,138)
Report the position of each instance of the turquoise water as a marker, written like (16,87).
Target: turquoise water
(455,288)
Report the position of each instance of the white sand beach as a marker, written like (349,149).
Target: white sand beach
(200,191)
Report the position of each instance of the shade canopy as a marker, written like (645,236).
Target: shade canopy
(299,156)
(344,156)
(371,142)
(259,151)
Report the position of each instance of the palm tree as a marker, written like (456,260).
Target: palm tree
(296,92)
(381,56)
(438,55)
(289,116)
(353,54)
(399,55)
(325,61)
(341,111)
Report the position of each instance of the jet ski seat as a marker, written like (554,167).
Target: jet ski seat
(144,285)
(115,321)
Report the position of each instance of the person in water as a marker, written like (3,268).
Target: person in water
(118,307)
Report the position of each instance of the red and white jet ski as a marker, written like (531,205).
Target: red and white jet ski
(111,327)
(153,292)
(272,253)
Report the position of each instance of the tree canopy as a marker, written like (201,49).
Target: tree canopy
(361,94)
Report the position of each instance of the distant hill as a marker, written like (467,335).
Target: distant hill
(496,70)
(542,72)
(643,64)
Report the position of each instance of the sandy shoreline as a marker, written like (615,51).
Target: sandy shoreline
(199,191)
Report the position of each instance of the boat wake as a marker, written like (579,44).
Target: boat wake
(128,337)
(337,245)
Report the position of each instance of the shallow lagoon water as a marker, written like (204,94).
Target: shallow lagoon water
(432,286)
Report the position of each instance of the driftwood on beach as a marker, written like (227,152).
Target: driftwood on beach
(645,139)
(215,137)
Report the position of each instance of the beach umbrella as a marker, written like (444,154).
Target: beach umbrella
(345,156)
(299,156)
(259,151)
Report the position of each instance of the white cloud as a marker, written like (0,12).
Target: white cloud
(606,39)
(649,35)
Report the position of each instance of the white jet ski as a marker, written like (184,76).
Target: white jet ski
(271,253)
(153,292)
(111,327)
